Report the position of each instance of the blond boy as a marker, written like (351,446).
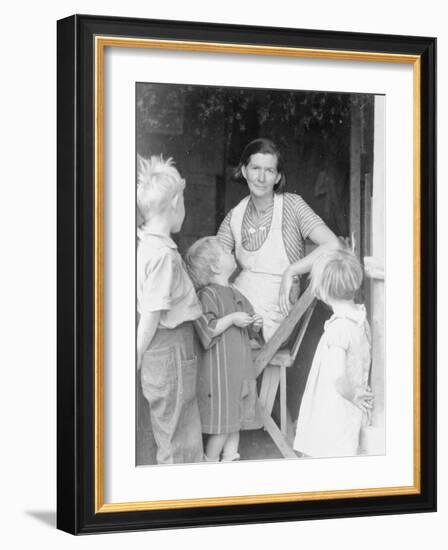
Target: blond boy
(167,305)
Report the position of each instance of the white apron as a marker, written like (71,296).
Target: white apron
(262,269)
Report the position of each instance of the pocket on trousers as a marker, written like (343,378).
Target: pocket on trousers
(189,370)
(158,368)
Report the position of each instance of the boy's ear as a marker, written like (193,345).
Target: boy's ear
(175,200)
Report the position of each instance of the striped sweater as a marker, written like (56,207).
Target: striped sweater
(298,222)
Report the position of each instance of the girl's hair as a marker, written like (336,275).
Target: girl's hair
(265,147)
(200,258)
(158,182)
(337,275)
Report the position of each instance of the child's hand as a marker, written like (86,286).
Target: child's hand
(374,267)
(257,321)
(363,399)
(241,319)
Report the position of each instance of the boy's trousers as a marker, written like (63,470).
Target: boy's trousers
(168,377)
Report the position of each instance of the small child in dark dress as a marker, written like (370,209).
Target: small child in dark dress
(226,386)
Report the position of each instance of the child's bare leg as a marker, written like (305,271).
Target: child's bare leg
(214,446)
(230,450)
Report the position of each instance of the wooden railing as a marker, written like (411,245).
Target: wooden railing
(274,377)
(284,331)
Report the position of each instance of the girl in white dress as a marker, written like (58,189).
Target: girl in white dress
(337,400)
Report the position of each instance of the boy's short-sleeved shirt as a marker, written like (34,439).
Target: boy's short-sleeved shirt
(162,282)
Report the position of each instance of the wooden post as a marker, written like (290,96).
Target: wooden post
(374,442)
(283,423)
(355,179)
(276,435)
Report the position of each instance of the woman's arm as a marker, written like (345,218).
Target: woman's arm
(326,240)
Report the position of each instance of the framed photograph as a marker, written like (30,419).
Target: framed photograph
(246,274)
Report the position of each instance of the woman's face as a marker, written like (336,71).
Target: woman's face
(261,174)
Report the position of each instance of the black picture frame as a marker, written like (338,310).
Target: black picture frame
(76,403)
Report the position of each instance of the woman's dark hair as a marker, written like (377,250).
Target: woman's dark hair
(265,147)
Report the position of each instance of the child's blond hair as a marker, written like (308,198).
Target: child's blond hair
(336,275)
(158,182)
(200,258)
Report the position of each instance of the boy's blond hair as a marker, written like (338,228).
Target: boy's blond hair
(158,182)
(337,275)
(200,258)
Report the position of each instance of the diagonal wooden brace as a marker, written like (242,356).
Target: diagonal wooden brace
(276,435)
(283,332)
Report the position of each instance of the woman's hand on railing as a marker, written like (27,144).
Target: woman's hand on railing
(285,290)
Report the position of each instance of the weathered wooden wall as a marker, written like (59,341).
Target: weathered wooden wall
(207,150)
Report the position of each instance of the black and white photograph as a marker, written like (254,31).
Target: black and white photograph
(222,316)
(260,274)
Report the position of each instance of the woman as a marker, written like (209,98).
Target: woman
(267,231)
